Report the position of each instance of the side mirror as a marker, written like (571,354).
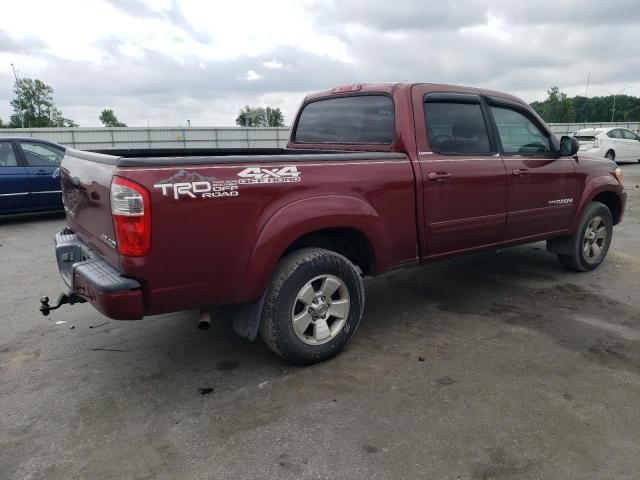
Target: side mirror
(569,146)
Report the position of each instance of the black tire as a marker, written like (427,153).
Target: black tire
(580,261)
(293,273)
(610,155)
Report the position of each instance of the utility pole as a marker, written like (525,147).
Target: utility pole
(586,92)
(15,75)
(613,109)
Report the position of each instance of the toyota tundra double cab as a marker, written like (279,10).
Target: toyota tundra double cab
(374,176)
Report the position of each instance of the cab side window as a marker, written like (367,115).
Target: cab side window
(7,155)
(629,135)
(456,128)
(41,155)
(518,134)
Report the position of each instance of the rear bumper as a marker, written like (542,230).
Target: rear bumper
(90,277)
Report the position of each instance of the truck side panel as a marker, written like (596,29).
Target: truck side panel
(203,242)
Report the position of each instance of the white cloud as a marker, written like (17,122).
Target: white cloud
(272,64)
(252,75)
(169,60)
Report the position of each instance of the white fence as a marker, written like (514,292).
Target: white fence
(202,137)
(156,137)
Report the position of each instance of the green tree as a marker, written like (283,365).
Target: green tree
(560,108)
(275,118)
(557,108)
(260,117)
(33,106)
(109,119)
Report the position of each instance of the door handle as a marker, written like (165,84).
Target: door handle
(42,172)
(520,172)
(439,176)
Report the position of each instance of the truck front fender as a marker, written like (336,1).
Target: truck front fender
(594,187)
(292,221)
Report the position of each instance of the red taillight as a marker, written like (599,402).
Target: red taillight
(131,217)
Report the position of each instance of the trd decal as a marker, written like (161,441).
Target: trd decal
(188,184)
(194,185)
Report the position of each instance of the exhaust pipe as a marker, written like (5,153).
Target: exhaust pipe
(204,321)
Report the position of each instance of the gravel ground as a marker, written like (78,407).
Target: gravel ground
(499,365)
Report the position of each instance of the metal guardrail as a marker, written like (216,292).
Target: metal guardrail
(205,137)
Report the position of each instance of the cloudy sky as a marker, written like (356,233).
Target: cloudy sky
(166,61)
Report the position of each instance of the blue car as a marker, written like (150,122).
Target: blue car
(28,178)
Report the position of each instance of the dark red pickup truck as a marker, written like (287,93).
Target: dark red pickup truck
(374,177)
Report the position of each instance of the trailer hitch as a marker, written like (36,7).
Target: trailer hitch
(63,299)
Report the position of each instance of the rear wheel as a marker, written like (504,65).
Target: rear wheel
(313,306)
(611,155)
(591,240)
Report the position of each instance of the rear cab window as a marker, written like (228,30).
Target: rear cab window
(366,119)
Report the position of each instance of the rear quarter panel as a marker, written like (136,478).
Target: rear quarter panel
(208,251)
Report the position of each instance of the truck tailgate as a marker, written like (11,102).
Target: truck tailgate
(86,182)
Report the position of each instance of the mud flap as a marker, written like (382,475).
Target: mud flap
(246,318)
(562,245)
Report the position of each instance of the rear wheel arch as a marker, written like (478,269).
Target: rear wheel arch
(344,221)
(611,154)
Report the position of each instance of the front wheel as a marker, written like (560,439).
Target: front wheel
(591,240)
(313,306)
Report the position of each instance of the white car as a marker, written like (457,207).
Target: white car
(617,144)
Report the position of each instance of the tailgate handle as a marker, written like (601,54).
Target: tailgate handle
(439,176)
(520,172)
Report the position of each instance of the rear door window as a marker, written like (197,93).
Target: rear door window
(456,128)
(362,119)
(518,134)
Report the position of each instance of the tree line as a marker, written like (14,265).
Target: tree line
(33,107)
(559,108)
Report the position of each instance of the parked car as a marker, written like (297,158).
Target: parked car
(616,144)
(373,177)
(27,175)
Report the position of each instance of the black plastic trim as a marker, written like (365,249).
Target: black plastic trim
(75,257)
(256,159)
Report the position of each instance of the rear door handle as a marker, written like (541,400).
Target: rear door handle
(42,172)
(520,172)
(439,176)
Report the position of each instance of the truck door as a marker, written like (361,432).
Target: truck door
(464,179)
(542,186)
(14,180)
(41,161)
